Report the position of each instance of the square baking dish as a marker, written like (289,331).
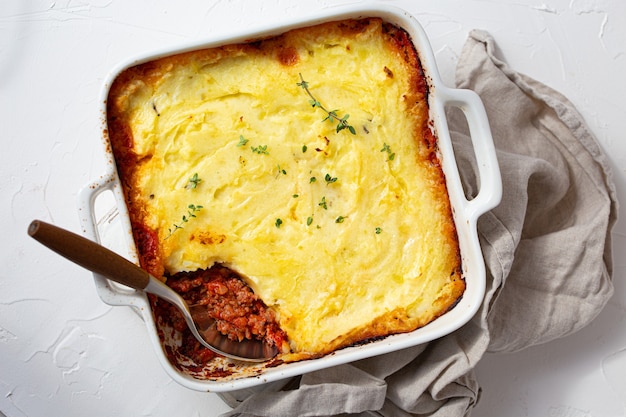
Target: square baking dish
(466,213)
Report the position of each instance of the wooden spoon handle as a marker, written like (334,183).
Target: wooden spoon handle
(89,254)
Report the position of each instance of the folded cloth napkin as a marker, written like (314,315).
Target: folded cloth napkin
(547,249)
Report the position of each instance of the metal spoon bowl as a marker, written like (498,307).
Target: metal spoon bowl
(103,261)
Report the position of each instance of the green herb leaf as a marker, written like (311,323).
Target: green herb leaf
(170,230)
(278,223)
(193,182)
(281,171)
(378,230)
(340,219)
(303,84)
(309,220)
(323,203)
(242,141)
(329,179)
(390,155)
(261,149)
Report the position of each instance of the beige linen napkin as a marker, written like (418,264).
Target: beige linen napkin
(547,249)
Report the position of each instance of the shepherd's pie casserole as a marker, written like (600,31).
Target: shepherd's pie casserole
(292,184)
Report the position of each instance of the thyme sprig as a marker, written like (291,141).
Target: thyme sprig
(192,209)
(342,122)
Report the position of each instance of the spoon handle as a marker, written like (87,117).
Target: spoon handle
(89,254)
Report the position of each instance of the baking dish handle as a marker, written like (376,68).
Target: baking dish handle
(109,292)
(489,179)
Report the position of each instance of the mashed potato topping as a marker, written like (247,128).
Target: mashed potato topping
(226,158)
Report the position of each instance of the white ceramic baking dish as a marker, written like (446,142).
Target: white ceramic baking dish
(466,212)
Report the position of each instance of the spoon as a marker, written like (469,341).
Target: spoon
(103,261)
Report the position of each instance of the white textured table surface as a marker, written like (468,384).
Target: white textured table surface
(64,352)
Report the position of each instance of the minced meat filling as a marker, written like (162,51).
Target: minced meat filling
(238,312)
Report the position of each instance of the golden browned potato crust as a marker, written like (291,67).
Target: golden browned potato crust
(317,180)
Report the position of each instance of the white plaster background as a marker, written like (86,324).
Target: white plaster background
(65,353)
